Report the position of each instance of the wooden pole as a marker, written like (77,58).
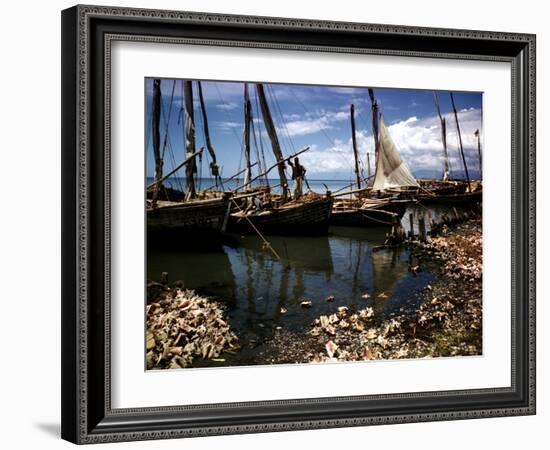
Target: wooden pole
(247,121)
(277,164)
(354,142)
(460,143)
(374,108)
(272,132)
(368,168)
(443,138)
(422,229)
(354,191)
(156,140)
(172,172)
(411,224)
(266,242)
(477,134)
(189,128)
(455,211)
(214,169)
(232,177)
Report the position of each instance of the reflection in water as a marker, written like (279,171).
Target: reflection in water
(256,286)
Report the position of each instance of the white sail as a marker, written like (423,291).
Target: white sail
(391,170)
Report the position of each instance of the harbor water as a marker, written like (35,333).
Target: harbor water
(264,294)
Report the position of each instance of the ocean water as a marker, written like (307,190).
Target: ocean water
(320,186)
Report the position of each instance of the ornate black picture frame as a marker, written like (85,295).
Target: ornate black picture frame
(87,34)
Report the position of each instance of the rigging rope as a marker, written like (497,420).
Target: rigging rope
(171,155)
(227,108)
(284,128)
(320,129)
(261,140)
(167,122)
(239,140)
(148,137)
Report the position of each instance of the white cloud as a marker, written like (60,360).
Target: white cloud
(227,106)
(418,140)
(311,123)
(347,90)
(228,126)
(339,159)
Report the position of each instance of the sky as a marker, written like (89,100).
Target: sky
(318,117)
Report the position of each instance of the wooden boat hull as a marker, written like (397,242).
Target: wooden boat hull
(466,199)
(308,218)
(440,187)
(385,214)
(198,215)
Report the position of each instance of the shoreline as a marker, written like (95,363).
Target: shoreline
(187,330)
(447,323)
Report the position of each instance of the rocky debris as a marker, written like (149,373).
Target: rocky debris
(182,326)
(447,323)
(459,248)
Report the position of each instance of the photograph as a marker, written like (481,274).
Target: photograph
(274,222)
(298,224)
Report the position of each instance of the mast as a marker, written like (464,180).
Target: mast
(156,140)
(247,122)
(270,127)
(357,174)
(460,143)
(375,119)
(368,168)
(189,136)
(214,169)
(476,133)
(446,170)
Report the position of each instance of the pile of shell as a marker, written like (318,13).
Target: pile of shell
(354,337)
(460,249)
(447,323)
(183,326)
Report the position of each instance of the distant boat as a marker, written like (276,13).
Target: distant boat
(446,191)
(190,211)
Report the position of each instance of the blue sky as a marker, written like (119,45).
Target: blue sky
(319,117)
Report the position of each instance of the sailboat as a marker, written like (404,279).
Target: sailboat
(392,173)
(277,213)
(452,192)
(376,205)
(190,211)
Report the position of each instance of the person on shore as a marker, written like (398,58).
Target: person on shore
(298,173)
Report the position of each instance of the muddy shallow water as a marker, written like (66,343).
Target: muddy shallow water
(263,295)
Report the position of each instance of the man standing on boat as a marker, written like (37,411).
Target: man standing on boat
(298,173)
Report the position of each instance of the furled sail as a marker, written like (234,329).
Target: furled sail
(391,170)
(189,122)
